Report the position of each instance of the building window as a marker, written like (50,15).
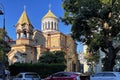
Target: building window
(18,35)
(24,34)
(54,46)
(51,25)
(48,25)
(45,25)
(55,26)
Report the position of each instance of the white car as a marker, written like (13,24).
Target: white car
(105,76)
(27,76)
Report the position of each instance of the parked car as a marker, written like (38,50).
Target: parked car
(27,76)
(63,76)
(106,76)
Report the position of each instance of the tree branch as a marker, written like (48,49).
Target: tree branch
(106,52)
(117,49)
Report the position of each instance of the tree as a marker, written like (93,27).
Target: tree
(95,23)
(4,47)
(90,57)
(60,56)
(47,57)
(92,60)
(53,57)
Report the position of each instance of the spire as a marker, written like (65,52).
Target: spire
(24,18)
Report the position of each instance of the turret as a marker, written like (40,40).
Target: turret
(24,30)
(49,22)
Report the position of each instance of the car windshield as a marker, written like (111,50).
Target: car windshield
(31,76)
(98,74)
(61,75)
(104,74)
(109,74)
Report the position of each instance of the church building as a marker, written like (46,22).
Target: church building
(30,43)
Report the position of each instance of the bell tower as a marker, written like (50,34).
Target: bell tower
(24,30)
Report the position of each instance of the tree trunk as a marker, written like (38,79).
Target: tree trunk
(109,60)
(109,64)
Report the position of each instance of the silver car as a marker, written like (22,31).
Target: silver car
(27,76)
(106,76)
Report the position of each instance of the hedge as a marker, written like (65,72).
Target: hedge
(42,69)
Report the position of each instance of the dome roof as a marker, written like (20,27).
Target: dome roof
(49,15)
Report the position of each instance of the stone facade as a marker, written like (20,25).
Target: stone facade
(30,43)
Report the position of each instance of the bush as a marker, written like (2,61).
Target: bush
(42,69)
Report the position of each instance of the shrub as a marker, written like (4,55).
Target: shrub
(42,69)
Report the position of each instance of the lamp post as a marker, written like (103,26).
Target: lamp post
(2,12)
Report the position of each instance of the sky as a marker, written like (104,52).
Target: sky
(35,10)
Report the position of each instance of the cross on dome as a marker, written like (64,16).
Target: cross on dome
(24,7)
(49,6)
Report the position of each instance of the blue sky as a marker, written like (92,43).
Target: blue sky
(35,9)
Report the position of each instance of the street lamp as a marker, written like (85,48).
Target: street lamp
(2,12)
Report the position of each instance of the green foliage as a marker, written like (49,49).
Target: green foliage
(87,17)
(4,47)
(1,34)
(60,56)
(47,57)
(3,44)
(53,57)
(1,55)
(92,57)
(95,23)
(42,69)
(106,1)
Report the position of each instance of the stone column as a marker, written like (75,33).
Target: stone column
(21,35)
(50,25)
(28,35)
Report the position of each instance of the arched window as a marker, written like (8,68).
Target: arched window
(55,26)
(48,25)
(24,34)
(45,25)
(52,25)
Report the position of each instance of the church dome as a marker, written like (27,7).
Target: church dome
(49,15)
(49,22)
